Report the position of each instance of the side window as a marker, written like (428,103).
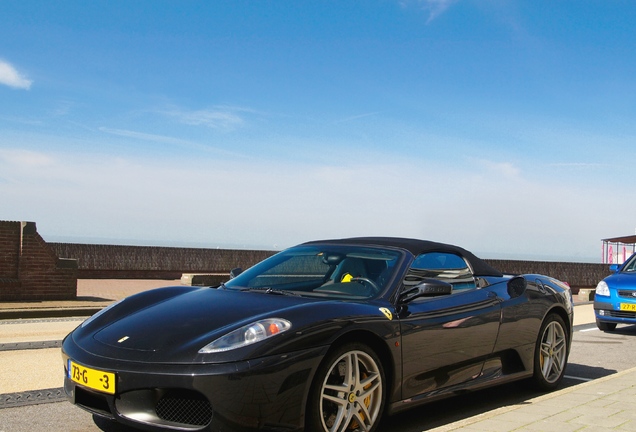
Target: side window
(446,267)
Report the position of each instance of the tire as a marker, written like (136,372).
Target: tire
(348,391)
(605,326)
(550,353)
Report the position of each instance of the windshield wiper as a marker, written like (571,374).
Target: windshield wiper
(268,290)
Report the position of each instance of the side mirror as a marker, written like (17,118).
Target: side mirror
(614,268)
(235,272)
(427,288)
(333,259)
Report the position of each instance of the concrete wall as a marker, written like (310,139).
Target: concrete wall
(30,269)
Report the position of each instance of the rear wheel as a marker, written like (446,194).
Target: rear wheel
(551,353)
(348,391)
(605,326)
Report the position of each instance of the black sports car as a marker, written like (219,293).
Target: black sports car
(324,336)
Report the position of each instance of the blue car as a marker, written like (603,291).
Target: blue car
(615,297)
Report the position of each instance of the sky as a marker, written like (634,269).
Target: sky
(503,126)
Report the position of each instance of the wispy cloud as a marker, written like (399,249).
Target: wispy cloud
(22,120)
(9,76)
(356,117)
(577,165)
(25,158)
(142,135)
(503,169)
(62,109)
(434,7)
(220,117)
(166,140)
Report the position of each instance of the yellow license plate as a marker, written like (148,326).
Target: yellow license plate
(92,378)
(628,307)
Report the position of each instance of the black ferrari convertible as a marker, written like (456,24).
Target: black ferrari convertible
(326,336)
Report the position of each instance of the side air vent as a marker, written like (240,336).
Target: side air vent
(516,286)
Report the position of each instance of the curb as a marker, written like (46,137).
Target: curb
(499,411)
(10,314)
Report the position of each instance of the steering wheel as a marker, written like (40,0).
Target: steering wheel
(368,281)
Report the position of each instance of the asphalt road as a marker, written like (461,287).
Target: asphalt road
(594,354)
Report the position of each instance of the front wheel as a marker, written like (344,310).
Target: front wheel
(551,353)
(348,391)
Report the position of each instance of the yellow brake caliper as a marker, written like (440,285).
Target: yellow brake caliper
(367,401)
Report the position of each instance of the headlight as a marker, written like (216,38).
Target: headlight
(247,335)
(602,289)
(93,317)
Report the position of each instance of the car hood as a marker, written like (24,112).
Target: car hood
(172,330)
(622,280)
(201,314)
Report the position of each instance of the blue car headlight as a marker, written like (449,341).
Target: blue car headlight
(247,335)
(602,289)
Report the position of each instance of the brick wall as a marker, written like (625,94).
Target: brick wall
(578,275)
(9,249)
(152,262)
(30,269)
(145,262)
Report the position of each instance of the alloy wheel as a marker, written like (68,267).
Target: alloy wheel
(351,393)
(553,352)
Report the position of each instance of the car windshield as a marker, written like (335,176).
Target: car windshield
(630,265)
(332,271)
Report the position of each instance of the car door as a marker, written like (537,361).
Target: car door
(446,338)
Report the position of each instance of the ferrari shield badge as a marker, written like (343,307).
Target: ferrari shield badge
(387,313)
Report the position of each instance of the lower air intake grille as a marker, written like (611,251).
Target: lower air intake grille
(185,407)
(621,314)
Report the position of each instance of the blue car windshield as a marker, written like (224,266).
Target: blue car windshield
(331,271)
(630,265)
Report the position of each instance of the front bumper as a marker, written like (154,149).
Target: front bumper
(609,311)
(268,394)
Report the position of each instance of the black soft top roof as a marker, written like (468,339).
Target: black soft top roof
(417,247)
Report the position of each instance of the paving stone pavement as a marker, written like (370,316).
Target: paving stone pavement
(605,404)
